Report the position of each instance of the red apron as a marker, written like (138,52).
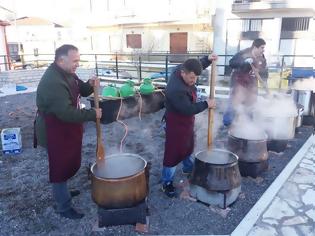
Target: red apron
(179,138)
(244,89)
(64,143)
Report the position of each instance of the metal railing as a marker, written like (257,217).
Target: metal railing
(141,65)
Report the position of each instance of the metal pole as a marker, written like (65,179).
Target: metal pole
(96,66)
(281,72)
(116,60)
(140,75)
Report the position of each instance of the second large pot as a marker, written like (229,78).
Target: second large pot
(248,150)
(121,182)
(281,127)
(216,170)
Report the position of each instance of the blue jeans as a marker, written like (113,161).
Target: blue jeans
(228,115)
(61,196)
(169,172)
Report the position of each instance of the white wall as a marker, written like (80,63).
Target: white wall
(2,48)
(153,38)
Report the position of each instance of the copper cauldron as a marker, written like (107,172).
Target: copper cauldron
(216,170)
(121,182)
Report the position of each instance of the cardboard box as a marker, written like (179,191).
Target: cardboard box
(11,141)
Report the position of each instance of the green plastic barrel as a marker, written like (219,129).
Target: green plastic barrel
(110,91)
(127,89)
(146,87)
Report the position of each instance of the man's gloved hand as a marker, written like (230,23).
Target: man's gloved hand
(249,60)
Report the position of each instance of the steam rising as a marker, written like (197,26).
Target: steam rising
(304,84)
(275,114)
(276,105)
(246,128)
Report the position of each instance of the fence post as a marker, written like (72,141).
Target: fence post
(116,63)
(140,74)
(7,62)
(281,72)
(96,66)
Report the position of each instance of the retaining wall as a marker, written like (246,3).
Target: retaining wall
(31,78)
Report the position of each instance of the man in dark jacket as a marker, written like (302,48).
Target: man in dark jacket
(243,80)
(59,123)
(181,107)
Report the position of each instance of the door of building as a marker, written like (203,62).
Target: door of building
(178,45)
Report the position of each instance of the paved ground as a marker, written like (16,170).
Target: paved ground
(288,206)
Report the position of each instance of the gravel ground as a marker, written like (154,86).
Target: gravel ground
(25,195)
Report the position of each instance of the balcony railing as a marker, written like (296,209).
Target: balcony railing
(240,6)
(138,66)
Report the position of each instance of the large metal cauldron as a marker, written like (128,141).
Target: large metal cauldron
(303,97)
(300,115)
(248,150)
(279,127)
(121,182)
(216,170)
(282,127)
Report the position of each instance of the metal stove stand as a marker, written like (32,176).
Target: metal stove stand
(252,169)
(123,216)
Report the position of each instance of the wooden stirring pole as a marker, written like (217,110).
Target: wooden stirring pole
(100,150)
(211,96)
(259,78)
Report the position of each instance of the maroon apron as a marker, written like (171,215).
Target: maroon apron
(64,143)
(179,140)
(244,89)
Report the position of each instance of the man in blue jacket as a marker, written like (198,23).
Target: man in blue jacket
(181,107)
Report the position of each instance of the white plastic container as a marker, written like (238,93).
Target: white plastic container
(11,141)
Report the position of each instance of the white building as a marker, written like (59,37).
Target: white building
(4,51)
(287,26)
(175,26)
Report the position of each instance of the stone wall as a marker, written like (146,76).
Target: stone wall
(30,78)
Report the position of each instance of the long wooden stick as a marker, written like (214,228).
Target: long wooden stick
(212,78)
(259,78)
(100,150)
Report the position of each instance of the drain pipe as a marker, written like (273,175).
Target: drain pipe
(7,58)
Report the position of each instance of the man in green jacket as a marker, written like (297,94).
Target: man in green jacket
(59,123)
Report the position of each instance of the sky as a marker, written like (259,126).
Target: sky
(77,12)
(57,11)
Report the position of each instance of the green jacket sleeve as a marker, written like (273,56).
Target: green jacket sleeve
(85,88)
(56,97)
